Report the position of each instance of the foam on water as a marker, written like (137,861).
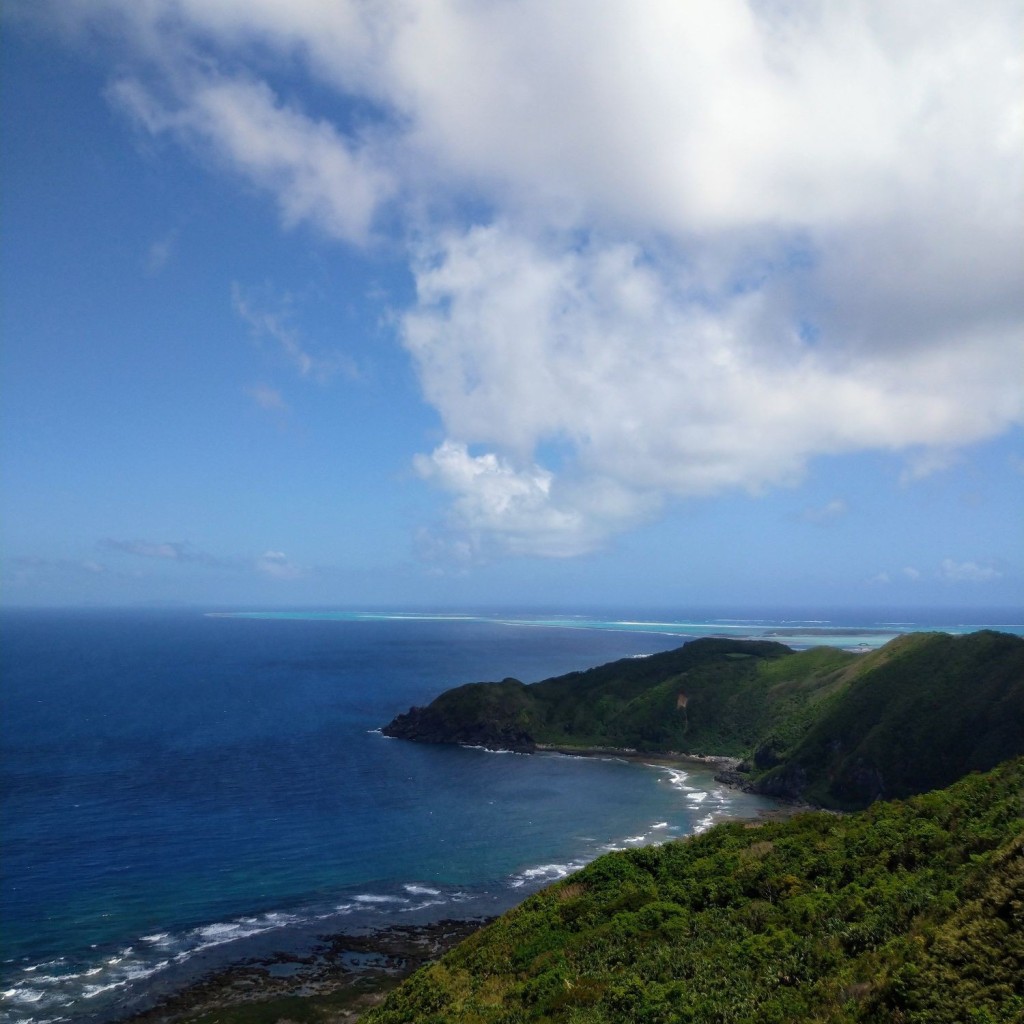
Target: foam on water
(62,985)
(544,874)
(420,890)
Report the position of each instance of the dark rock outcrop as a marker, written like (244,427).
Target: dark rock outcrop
(428,725)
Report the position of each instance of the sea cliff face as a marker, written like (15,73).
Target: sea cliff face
(428,725)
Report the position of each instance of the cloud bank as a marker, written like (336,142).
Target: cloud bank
(661,251)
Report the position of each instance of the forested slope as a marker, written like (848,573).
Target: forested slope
(909,911)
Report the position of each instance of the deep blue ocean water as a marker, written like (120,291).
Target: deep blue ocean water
(180,789)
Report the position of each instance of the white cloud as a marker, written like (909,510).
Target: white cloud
(950,571)
(520,343)
(830,512)
(925,463)
(271,563)
(494,502)
(171,551)
(722,238)
(277,565)
(267,398)
(276,324)
(967,572)
(161,252)
(316,175)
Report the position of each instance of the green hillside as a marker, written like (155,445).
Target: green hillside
(711,696)
(929,709)
(838,728)
(907,912)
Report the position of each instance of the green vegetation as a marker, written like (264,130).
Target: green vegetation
(926,711)
(838,728)
(908,912)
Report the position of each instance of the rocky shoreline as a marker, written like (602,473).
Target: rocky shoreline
(345,975)
(335,983)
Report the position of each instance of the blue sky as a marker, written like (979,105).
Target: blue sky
(512,304)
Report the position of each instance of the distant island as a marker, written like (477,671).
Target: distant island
(828,726)
(908,910)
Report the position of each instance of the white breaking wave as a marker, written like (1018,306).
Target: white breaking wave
(545,873)
(52,986)
(421,890)
(676,776)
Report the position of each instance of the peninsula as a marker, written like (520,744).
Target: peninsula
(825,725)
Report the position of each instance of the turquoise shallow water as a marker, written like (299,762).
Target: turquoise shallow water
(861,630)
(182,789)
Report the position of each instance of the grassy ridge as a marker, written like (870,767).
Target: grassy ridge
(908,912)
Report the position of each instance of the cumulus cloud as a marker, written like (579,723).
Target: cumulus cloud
(499,507)
(706,243)
(277,565)
(664,388)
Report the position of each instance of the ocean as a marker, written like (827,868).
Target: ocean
(182,789)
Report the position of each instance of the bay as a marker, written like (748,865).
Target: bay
(182,789)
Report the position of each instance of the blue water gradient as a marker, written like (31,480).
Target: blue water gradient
(180,787)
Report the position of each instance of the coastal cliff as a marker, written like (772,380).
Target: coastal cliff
(492,715)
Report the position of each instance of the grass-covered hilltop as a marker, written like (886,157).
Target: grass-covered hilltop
(829,726)
(908,910)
